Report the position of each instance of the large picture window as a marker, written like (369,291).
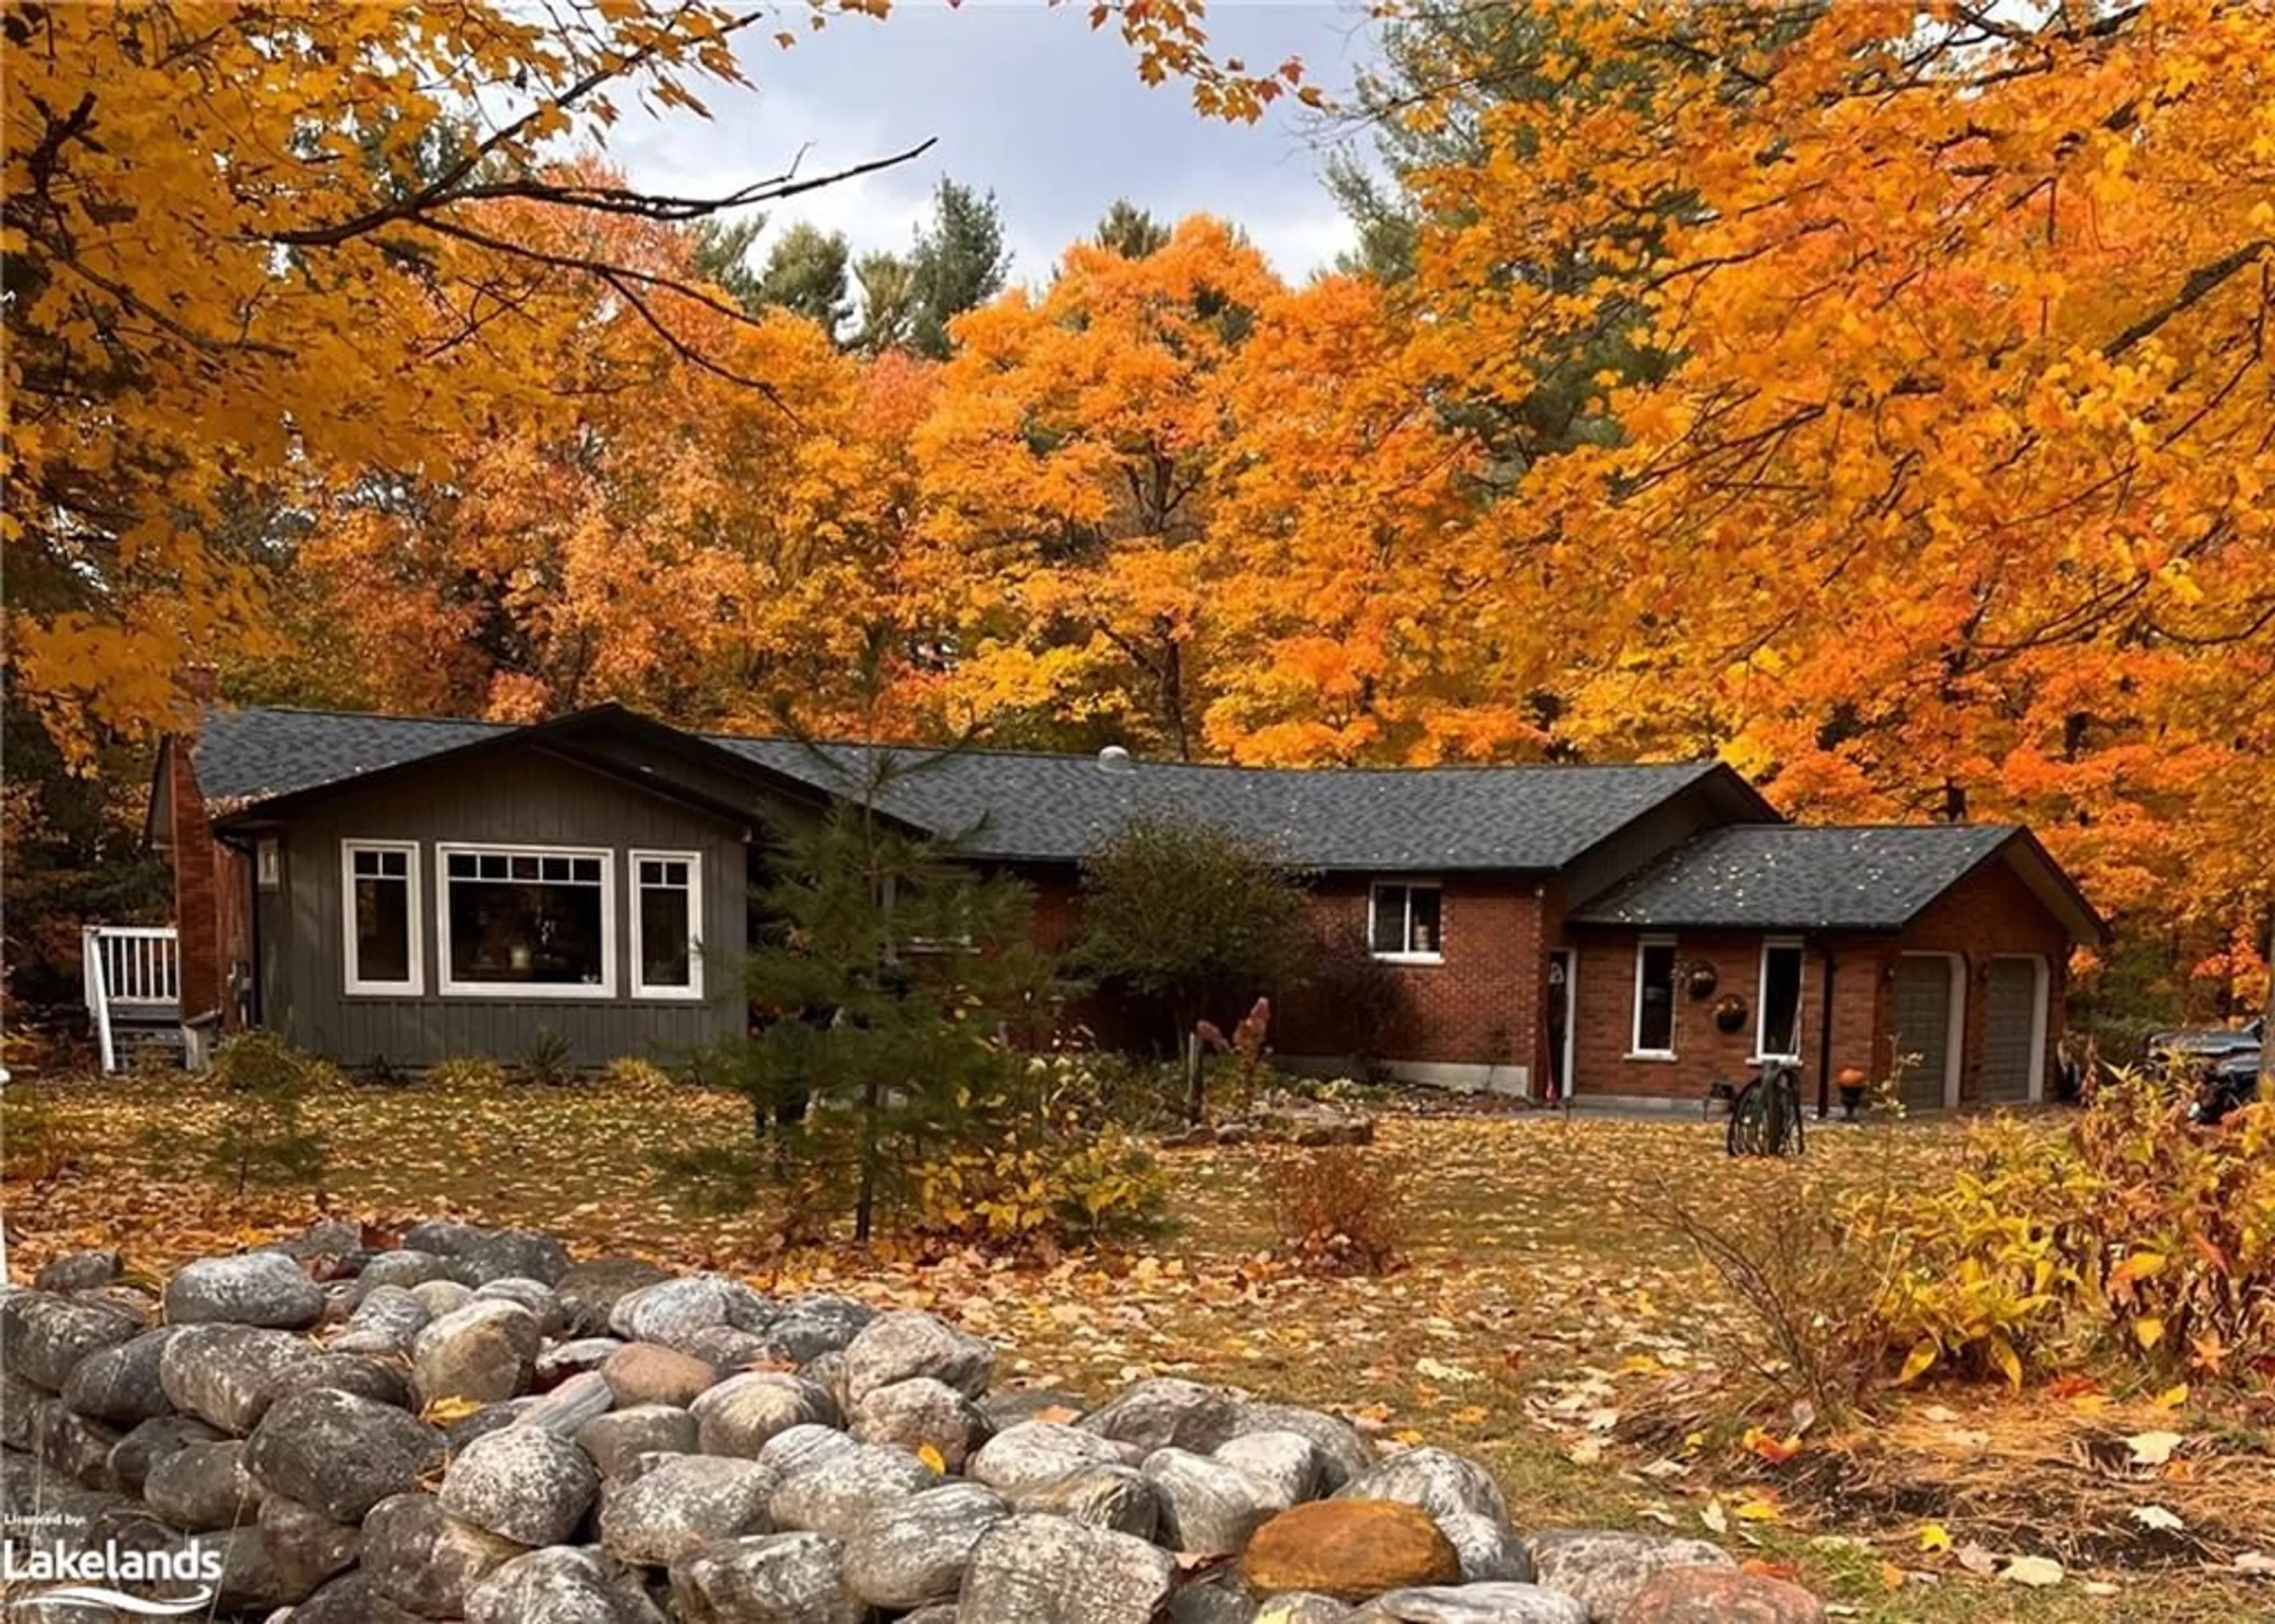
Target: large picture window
(1654,998)
(667,905)
(1777,1036)
(1404,921)
(379,897)
(528,922)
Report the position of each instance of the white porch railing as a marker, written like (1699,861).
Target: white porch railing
(134,976)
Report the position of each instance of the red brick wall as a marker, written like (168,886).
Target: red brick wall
(198,874)
(1604,1000)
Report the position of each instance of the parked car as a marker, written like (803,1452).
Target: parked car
(2233,1081)
(2193,1050)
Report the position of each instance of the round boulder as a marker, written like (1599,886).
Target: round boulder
(1349,1549)
(1168,1412)
(912,1553)
(525,1483)
(339,1453)
(900,1346)
(227,1374)
(650,1373)
(1046,1570)
(255,1289)
(1719,1596)
(485,1351)
(770,1579)
(684,1502)
(1029,1454)
(1440,1483)
(918,1413)
(1607,1567)
(738,1415)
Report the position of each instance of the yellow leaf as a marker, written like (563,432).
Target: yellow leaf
(1934,1536)
(2009,1362)
(2173,1398)
(931,1456)
(1917,1362)
(2149,1330)
(1759,1509)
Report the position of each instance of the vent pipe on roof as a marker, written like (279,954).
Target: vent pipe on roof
(1115,759)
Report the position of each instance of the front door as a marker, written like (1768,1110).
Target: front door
(2012,1031)
(1920,1020)
(1556,1010)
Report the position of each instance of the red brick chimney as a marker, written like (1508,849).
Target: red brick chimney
(198,862)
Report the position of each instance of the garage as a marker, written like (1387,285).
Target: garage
(1920,1022)
(2013,1031)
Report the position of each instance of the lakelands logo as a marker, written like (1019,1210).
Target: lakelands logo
(41,1572)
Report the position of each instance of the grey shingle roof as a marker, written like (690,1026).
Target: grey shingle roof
(1780,876)
(1056,807)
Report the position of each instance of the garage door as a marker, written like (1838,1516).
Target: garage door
(2010,1021)
(1921,1024)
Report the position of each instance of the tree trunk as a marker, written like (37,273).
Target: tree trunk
(864,1202)
(2267,1024)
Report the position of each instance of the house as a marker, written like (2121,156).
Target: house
(410,889)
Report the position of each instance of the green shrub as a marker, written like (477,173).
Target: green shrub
(471,1072)
(1067,1188)
(263,1136)
(548,1061)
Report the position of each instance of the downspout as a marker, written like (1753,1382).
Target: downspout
(1824,1043)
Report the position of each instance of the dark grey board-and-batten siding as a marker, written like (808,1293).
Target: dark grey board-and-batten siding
(503,796)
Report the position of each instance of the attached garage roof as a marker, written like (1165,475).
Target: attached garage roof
(1847,877)
(1056,808)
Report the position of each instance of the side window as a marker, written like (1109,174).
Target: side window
(666,907)
(1404,921)
(1779,1034)
(380,909)
(1654,998)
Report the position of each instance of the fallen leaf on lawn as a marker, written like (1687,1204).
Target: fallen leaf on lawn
(1407,1436)
(1759,1509)
(2038,1572)
(2153,1448)
(2159,1517)
(2172,1398)
(1660,1515)
(1975,1560)
(1438,1370)
(1586,1452)
(1934,1536)
(1804,1415)
(1777,1451)
(1769,1570)
(1941,1413)
(2099,1587)
(1892,1577)
(1714,1517)
(2257,1562)
(1668,1468)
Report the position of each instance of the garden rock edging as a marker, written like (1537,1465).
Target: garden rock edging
(444,1436)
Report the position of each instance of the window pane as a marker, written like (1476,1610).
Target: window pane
(366,862)
(675,873)
(1655,1000)
(650,874)
(525,932)
(396,863)
(663,937)
(1390,919)
(494,866)
(556,868)
(588,870)
(382,921)
(525,868)
(463,863)
(1781,1032)
(1421,909)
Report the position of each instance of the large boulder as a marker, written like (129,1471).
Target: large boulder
(227,1374)
(525,1483)
(1343,1450)
(768,1579)
(491,1254)
(557,1361)
(618,1439)
(72,1445)
(910,1552)
(1719,1596)
(920,1413)
(538,1297)
(1169,1412)
(386,1321)
(684,1502)
(1349,1549)
(485,1351)
(43,1337)
(562,1585)
(202,1487)
(1440,1483)
(589,1290)
(1029,1454)
(119,1385)
(833,1496)
(902,1346)
(1106,1496)
(381,1380)
(1472,1604)
(738,1415)
(252,1288)
(1208,1507)
(80,1270)
(341,1453)
(1491,1551)
(151,1441)
(672,1311)
(808,1327)
(306,1546)
(650,1373)
(1286,1461)
(1033,1569)
(1606,1568)
(424,1560)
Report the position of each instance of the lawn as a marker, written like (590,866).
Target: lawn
(1543,1322)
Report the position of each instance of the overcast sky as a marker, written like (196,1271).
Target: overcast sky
(1027,101)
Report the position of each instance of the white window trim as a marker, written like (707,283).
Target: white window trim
(526,992)
(1635,1051)
(693,991)
(1437,955)
(1761,1055)
(354,984)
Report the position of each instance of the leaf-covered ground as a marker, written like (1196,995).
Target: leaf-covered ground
(1542,1324)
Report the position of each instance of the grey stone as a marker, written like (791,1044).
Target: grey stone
(613,1440)
(43,1336)
(589,1290)
(807,1328)
(386,1321)
(912,1414)
(480,1423)
(827,1371)
(568,1407)
(1169,1412)
(227,1374)
(833,1496)
(906,1344)
(306,1546)
(528,1485)
(203,1486)
(250,1578)
(1208,1507)
(802,1449)
(1286,1461)
(1030,1570)
(72,1445)
(1489,1551)
(682,1502)
(403,1269)
(1472,1604)
(326,1237)
(913,1552)
(1114,1496)
(671,1311)
(439,1298)
(1440,1483)
(1214,1602)
(1605,1568)
(562,1360)
(348,1600)
(80,1270)
(18,1399)
(1010,1406)
(340,1452)
(485,1351)
(739,1415)
(492,1254)
(361,1374)
(151,1441)
(1029,1454)
(770,1579)
(252,1288)
(562,1585)
(119,1385)
(1302,1607)
(425,1561)
(1344,1452)
(538,1297)
(729,1348)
